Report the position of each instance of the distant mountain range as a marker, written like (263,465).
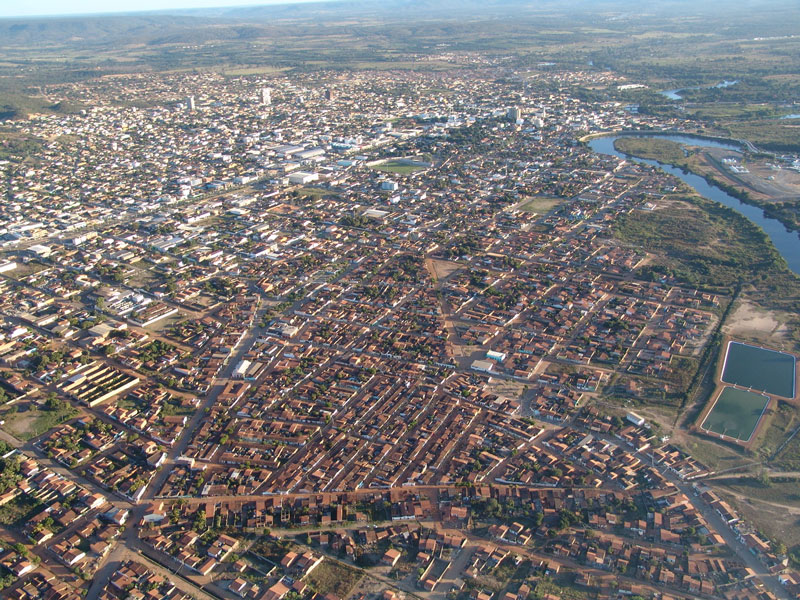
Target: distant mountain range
(229,23)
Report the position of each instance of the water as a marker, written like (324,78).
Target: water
(761,369)
(676,94)
(797,116)
(786,242)
(672,94)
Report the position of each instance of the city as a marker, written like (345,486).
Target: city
(385,334)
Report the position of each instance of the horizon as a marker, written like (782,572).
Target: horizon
(98,8)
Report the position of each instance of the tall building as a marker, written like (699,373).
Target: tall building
(190,103)
(514,113)
(266,96)
(329,94)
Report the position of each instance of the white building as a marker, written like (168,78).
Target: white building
(302,178)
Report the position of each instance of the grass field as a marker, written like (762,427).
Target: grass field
(653,148)
(779,490)
(777,425)
(33,422)
(238,72)
(735,413)
(16,511)
(399,167)
(540,205)
(315,192)
(760,369)
(715,456)
(776,522)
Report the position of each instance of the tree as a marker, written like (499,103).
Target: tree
(764,479)
(566,518)
(537,518)
(54,403)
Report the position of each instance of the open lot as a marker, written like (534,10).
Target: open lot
(334,578)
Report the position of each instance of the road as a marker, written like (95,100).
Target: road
(121,553)
(131,547)
(733,543)
(713,518)
(196,420)
(130,541)
(457,567)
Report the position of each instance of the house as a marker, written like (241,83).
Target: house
(391,557)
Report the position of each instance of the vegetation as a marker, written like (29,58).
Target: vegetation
(399,167)
(781,490)
(17,106)
(769,134)
(28,423)
(546,588)
(155,350)
(701,243)
(17,147)
(672,153)
(540,204)
(789,455)
(653,148)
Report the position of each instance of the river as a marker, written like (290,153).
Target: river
(786,242)
(676,94)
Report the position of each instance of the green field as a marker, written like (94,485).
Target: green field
(653,148)
(735,414)
(760,369)
(399,167)
(540,204)
(26,422)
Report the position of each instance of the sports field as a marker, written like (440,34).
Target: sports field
(759,369)
(400,166)
(735,413)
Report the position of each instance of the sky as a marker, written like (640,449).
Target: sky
(30,8)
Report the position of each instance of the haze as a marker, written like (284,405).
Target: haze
(86,7)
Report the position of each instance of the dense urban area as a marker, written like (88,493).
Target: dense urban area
(396,334)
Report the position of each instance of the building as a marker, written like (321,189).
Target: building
(635,419)
(391,557)
(266,96)
(514,113)
(302,178)
(484,366)
(190,106)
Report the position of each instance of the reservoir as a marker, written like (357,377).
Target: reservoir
(759,369)
(786,242)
